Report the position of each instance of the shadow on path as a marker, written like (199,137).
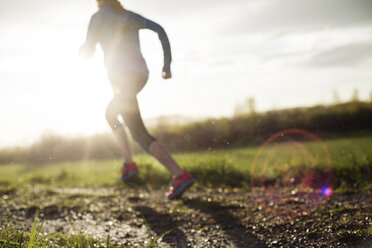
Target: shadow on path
(231,225)
(160,223)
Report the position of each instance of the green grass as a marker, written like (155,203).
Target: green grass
(350,161)
(20,239)
(9,238)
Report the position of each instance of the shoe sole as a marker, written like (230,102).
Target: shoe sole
(181,189)
(129,176)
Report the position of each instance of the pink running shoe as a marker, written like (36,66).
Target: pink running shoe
(129,171)
(180,185)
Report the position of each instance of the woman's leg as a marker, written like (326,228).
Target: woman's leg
(132,118)
(112,113)
(163,156)
(127,88)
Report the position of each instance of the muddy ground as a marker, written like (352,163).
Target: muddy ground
(203,218)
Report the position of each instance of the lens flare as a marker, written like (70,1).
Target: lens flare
(327,191)
(289,173)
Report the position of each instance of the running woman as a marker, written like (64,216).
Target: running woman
(117,31)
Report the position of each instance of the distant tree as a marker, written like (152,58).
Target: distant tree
(248,107)
(239,109)
(251,104)
(355,96)
(336,97)
(370,96)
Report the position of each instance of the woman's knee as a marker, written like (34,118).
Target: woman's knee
(143,139)
(112,117)
(141,135)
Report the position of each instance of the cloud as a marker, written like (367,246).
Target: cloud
(302,15)
(41,12)
(185,8)
(349,55)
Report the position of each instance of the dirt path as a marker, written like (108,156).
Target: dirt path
(212,218)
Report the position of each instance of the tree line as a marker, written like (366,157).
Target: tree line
(252,128)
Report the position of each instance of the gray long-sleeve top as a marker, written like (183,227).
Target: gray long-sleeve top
(118,36)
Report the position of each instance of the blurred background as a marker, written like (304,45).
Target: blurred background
(243,71)
(229,58)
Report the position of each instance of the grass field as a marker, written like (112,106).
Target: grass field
(222,209)
(349,161)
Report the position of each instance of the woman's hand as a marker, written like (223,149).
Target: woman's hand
(85,52)
(167,74)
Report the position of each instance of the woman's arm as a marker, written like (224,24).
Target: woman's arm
(139,22)
(88,48)
(164,42)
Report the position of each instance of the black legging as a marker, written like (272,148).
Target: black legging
(124,103)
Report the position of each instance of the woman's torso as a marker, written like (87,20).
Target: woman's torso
(118,35)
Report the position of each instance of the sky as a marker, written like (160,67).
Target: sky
(282,53)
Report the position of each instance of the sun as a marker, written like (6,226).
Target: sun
(75,91)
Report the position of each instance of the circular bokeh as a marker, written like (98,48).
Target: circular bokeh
(291,173)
